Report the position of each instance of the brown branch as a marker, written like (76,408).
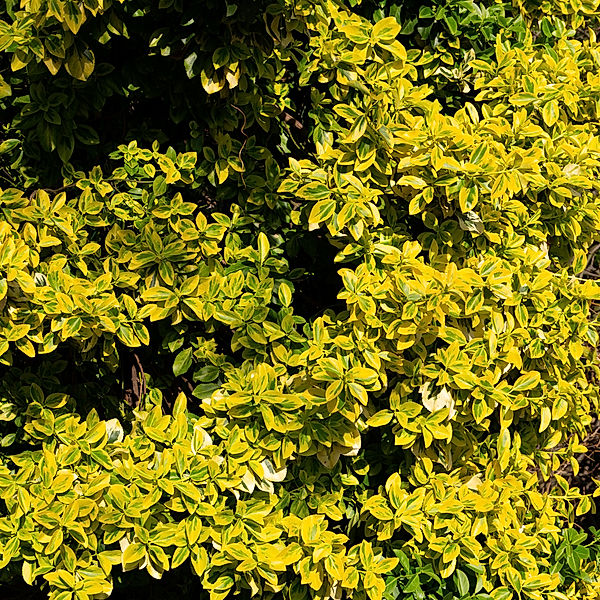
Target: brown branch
(243,132)
(288,119)
(590,272)
(51,190)
(188,384)
(138,379)
(134,381)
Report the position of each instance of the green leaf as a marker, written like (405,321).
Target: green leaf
(451,24)
(358,129)
(220,57)
(479,153)
(80,65)
(5,92)
(183,361)
(461,581)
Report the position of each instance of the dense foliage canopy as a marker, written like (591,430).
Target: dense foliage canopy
(295,297)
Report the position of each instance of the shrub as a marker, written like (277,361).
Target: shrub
(330,334)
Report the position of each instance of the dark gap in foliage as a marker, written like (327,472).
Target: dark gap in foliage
(319,284)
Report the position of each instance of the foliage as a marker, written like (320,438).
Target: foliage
(317,326)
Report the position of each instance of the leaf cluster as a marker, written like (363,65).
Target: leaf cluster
(174,392)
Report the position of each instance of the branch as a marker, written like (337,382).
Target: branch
(138,379)
(243,132)
(290,120)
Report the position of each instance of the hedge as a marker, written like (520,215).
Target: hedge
(298,298)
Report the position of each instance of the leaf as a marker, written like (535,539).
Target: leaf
(550,112)
(133,555)
(27,572)
(220,57)
(522,99)
(10,144)
(482,65)
(479,153)
(383,417)
(462,582)
(102,458)
(322,211)
(80,65)
(412,181)
(347,111)
(437,400)
(451,24)
(560,407)
(158,294)
(263,247)
(74,16)
(199,560)
(269,471)
(504,448)
(180,555)
(211,84)
(546,417)
(527,381)
(183,361)
(393,487)
(5,92)
(284,293)
(386,30)
(180,405)
(358,129)
(314,191)
(468,197)
(310,529)
(578,265)
(584,506)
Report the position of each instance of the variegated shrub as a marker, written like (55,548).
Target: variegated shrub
(336,340)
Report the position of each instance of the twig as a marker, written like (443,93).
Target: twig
(188,384)
(290,120)
(591,254)
(139,388)
(51,190)
(58,190)
(243,132)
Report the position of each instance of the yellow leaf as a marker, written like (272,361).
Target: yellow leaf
(383,417)
(210,84)
(386,29)
(550,112)
(133,555)
(310,528)
(263,247)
